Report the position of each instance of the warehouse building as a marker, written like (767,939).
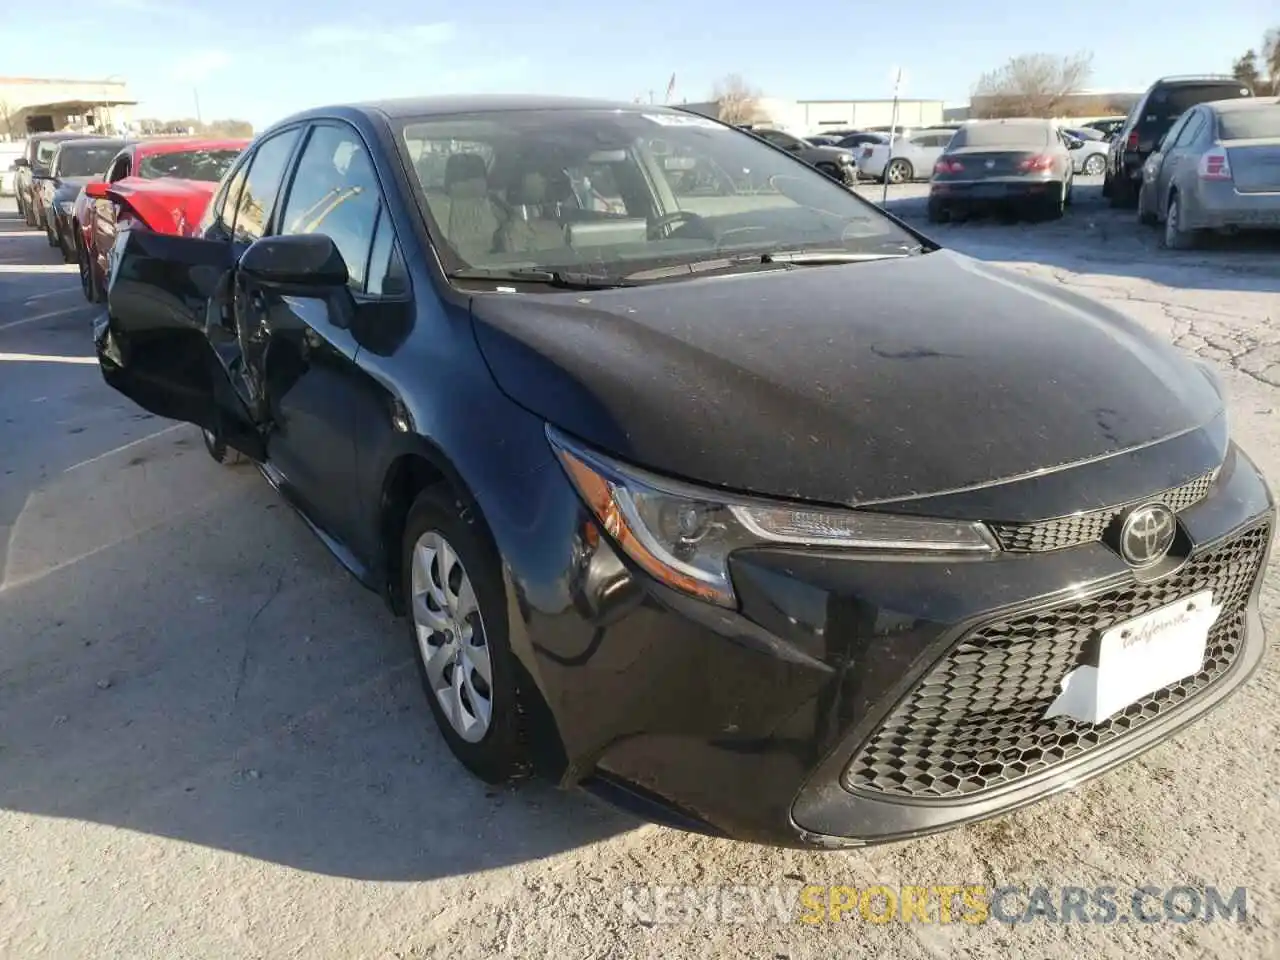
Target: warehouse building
(37,105)
(806,117)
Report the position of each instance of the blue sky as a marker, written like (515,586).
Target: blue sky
(262,59)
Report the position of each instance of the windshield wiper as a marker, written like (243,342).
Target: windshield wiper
(780,257)
(563,279)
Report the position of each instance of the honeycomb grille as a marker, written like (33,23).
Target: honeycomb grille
(1087,527)
(976,720)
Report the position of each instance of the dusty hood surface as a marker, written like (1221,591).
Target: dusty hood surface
(843,384)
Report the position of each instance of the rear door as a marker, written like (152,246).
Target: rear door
(1180,152)
(171,338)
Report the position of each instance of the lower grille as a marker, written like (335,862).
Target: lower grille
(976,720)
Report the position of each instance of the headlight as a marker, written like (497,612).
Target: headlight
(683,535)
(845,158)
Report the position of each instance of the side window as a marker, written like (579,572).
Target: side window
(1192,128)
(1175,131)
(120,168)
(261,184)
(215,224)
(388,275)
(335,192)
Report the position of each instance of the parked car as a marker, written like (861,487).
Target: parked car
(913,156)
(835,162)
(75,163)
(10,151)
(1152,116)
(35,160)
(857,140)
(1107,127)
(163,185)
(1090,157)
(1022,165)
(669,520)
(1217,168)
(821,140)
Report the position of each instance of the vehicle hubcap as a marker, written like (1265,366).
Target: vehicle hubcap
(451,636)
(1093,166)
(895,174)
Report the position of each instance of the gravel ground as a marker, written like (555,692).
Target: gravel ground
(212,742)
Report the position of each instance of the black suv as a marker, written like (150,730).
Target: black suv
(1150,119)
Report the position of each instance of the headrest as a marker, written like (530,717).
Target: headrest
(464,166)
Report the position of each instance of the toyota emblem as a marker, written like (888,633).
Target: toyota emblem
(1147,534)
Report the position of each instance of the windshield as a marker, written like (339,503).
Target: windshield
(207,165)
(1001,135)
(85,161)
(614,191)
(1251,124)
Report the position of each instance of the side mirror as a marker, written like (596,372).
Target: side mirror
(96,190)
(1074,143)
(20,163)
(309,260)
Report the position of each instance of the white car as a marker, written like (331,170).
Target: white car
(913,156)
(9,152)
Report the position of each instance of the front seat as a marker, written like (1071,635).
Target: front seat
(473,217)
(530,228)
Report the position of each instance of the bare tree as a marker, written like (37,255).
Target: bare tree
(1271,57)
(6,118)
(1261,71)
(1031,85)
(1245,69)
(736,101)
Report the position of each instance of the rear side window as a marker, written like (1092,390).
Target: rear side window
(1166,104)
(266,170)
(1249,124)
(1002,135)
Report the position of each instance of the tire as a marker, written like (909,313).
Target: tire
(1145,216)
(1094,165)
(1175,237)
(829,170)
(849,175)
(1122,193)
(50,235)
(28,215)
(88,282)
(218,449)
(898,171)
(496,751)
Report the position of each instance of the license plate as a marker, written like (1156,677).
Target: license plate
(988,191)
(1137,658)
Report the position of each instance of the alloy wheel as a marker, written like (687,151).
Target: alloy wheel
(897,172)
(451,636)
(1094,165)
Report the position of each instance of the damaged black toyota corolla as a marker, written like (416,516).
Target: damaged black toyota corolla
(700,480)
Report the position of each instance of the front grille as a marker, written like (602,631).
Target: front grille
(1088,527)
(976,720)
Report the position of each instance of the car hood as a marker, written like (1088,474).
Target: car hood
(844,384)
(69,187)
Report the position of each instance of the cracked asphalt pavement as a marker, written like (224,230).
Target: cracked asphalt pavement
(213,744)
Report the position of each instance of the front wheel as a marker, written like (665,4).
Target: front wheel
(452,582)
(1094,165)
(1176,236)
(218,449)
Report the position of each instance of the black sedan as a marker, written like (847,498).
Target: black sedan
(746,506)
(75,163)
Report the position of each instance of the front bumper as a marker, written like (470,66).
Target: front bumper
(747,723)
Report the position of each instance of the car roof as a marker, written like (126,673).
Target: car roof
(1242,104)
(151,148)
(402,108)
(1012,121)
(1195,79)
(62,135)
(95,141)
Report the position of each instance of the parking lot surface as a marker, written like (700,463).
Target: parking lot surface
(213,742)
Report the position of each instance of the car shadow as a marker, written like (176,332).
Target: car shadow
(180,657)
(1094,238)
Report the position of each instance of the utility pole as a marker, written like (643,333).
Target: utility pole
(196,93)
(893,126)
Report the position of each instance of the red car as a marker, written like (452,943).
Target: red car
(162,185)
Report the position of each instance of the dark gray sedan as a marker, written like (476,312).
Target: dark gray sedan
(1217,168)
(1020,165)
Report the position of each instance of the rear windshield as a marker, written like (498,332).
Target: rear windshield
(1249,124)
(1169,103)
(207,165)
(1001,135)
(85,161)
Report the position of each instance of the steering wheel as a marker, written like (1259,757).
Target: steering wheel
(663,225)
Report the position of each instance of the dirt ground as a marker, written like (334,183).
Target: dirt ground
(212,741)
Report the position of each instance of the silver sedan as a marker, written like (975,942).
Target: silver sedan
(1217,168)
